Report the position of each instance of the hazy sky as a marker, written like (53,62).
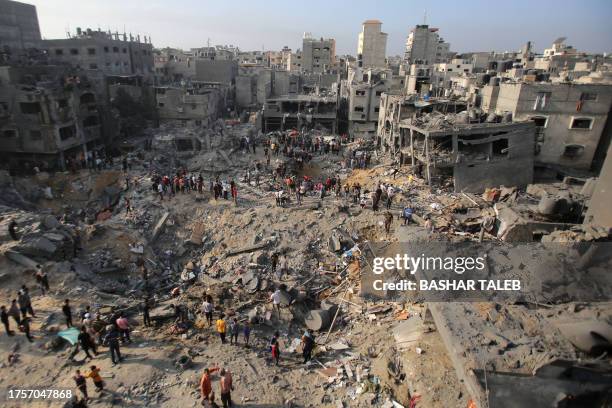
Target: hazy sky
(473,25)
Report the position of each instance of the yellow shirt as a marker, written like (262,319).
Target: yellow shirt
(221,326)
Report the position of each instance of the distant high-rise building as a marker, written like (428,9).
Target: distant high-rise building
(425,46)
(318,55)
(18,25)
(372,47)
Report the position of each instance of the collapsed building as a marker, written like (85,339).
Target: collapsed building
(475,155)
(47,117)
(294,112)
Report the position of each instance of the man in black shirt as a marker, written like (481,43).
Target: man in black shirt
(67,312)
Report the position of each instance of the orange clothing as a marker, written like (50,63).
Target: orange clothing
(94,375)
(205,383)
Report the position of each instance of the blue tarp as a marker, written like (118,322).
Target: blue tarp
(71,335)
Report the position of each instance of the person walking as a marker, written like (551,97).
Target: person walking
(4,316)
(276,300)
(67,313)
(94,374)
(112,339)
(14,312)
(81,384)
(86,342)
(234,191)
(246,332)
(221,328)
(234,331)
(25,303)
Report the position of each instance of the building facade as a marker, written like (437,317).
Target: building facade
(113,54)
(372,45)
(570,118)
(318,55)
(425,46)
(19,28)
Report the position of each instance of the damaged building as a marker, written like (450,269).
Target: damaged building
(199,102)
(47,117)
(294,112)
(475,155)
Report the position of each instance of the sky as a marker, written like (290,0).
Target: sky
(472,25)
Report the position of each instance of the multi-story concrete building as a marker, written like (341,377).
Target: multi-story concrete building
(318,55)
(113,54)
(47,117)
(19,27)
(570,117)
(364,88)
(199,102)
(425,46)
(297,111)
(372,45)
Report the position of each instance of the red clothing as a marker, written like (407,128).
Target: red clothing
(205,383)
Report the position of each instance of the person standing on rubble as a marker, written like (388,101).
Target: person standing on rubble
(160,191)
(206,383)
(86,343)
(42,279)
(112,339)
(67,311)
(124,328)
(128,206)
(274,261)
(390,194)
(81,383)
(246,332)
(226,385)
(146,319)
(221,328)
(207,309)
(307,346)
(376,199)
(234,190)
(234,330)
(25,303)
(94,374)
(407,215)
(274,348)
(12,228)
(388,221)
(4,316)
(25,328)
(14,312)
(275,298)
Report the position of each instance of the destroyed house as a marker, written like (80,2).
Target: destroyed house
(296,111)
(476,156)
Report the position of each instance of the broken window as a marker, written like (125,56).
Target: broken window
(67,132)
(9,133)
(358,108)
(360,92)
(378,93)
(59,52)
(581,123)
(125,50)
(500,147)
(376,110)
(115,49)
(62,103)
(542,100)
(29,107)
(74,51)
(588,96)
(105,49)
(91,51)
(35,135)
(540,121)
(573,151)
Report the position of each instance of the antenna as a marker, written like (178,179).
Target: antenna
(425,17)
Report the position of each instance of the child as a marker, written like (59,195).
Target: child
(94,374)
(275,348)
